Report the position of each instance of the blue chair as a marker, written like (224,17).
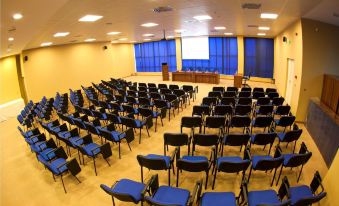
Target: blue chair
(306,195)
(92,150)
(157,162)
(290,136)
(235,140)
(262,122)
(192,123)
(284,121)
(176,140)
(110,134)
(218,198)
(232,164)
(240,121)
(125,190)
(266,162)
(196,164)
(145,112)
(166,195)
(296,160)
(216,122)
(59,165)
(263,139)
(266,197)
(30,136)
(137,124)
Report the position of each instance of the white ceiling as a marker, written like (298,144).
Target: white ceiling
(43,18)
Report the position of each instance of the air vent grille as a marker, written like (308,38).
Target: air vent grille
(251,6)
(252,26)
(161,9)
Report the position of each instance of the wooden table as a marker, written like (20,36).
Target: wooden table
(196,77)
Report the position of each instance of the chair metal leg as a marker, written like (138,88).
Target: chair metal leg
(119,150)
(113,201)
(156,122)
(147,131)
(295,143)
(249,176)
(108,162)
(302,166)
(275,171)
(95,167)
(177,177)
(140,137)
(62,181)
(206,180)
(142,175)
(279,175)
(215,177)
(77,178)
(129,147)
(169,177)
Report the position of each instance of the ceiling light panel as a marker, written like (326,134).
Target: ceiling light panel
(228,33)
(202,17)
(179,30)
(261,34)
(264,28)
(10,39)
(148,35)
(219,28)
(46,44)
(61,34)
(113,33)
(17,16)
(268,16)
(147,39)
(123,39)
(90,18)
(89,40)
(150,24)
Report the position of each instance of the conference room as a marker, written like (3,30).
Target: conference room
(167,102)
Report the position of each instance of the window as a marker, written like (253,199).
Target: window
(150,55)
(223,57)
(259,57)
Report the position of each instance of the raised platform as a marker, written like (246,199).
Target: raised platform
(323,126)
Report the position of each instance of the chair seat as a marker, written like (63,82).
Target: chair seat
(171,195)
(32,140)
(64,134)
(90,149)
(300,192)
(139,123)
(195,158)
(54,166)
(39,146)
(281,136)
(218,199)
(287,158)
(167,159)
(233,159)
(257,158)
(75,141)
(156,114)
(117,136)
(262,197)
(130,187)
(47,154)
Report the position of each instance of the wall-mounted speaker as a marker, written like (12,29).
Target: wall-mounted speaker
(284,39)
(25,58)
(104,47)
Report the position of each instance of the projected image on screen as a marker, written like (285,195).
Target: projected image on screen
(195,48)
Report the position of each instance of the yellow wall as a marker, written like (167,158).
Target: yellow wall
(292,49)
(330,183)
(320,56)
(58,68)
(9,84)
(178,53)
(240,54)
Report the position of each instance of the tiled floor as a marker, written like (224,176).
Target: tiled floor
(24,181)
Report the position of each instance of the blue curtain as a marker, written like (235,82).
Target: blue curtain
(150,55)
(259,57)
(223,57)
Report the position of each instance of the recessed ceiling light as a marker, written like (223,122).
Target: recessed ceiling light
(264,28)
(228,33)
(61,34)
(268,16)
(17,16)
(89,40)
(150,24)
(90,18)
(46,44)
(147,39)
(202,17)
(114,41)
(123,39)
(179,30)
(132,41)
(113,33)
(219,28)
(170,37)
(261,34)
(9,50)
(148,35)
(10,39)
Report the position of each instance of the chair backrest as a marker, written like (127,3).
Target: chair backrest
(215,122)
(165,91)
(173,86)
(236,139)
(160,103)
(142,84)
(258,89)
(263,121)
(191,122)
(219,89)
(187,88)
(200,110)
(229,94)
(152,163)
(264,138)
(152,85)
(292,135)
(242,109)
(144,112)
(227,101)
(244,94)
(310,200)
(268,164)
(125,197)
(272,95)
(257,95)
(265,109)
(233,167)
(246,89)
(263,101)
(277,101)
(153,89)
(175,139)
(215,94)
(245,101)
(162,86)
(192,166)
(285,121)
(268,90)
(240,121)
(222,110)
(205,140)
(209,101)
(144,101)
(232,89)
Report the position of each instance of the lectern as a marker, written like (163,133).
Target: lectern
(165,74)
(238,80)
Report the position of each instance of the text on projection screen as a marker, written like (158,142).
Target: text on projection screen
(195,48)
